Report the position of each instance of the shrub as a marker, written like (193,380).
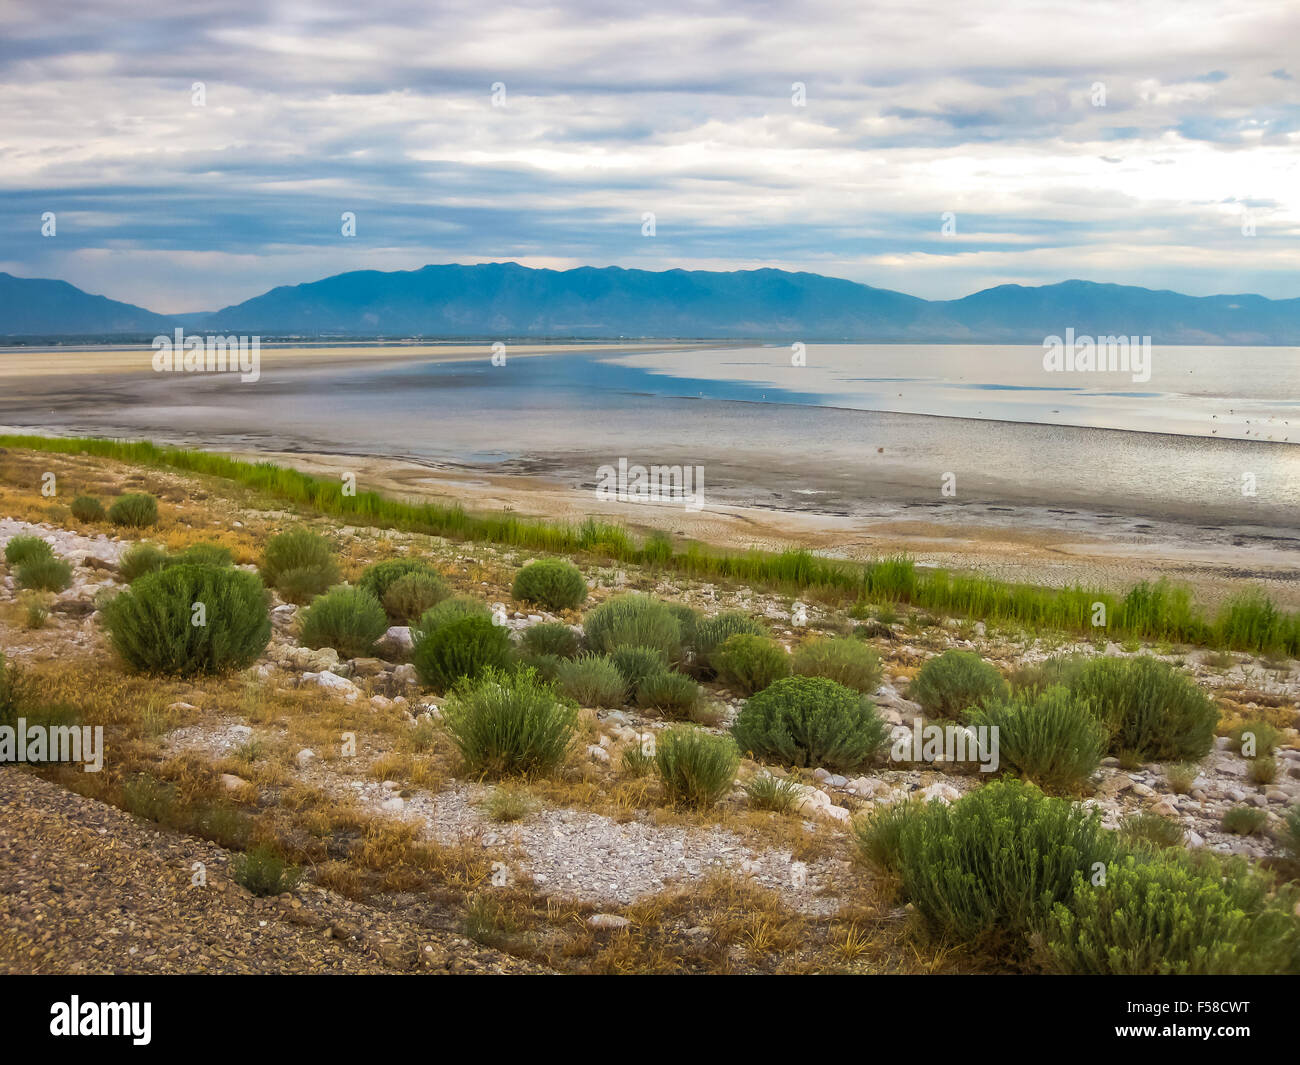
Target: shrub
(348,619)
(1254,738)
(1181,777)
(299,564)
(637,663)
(15,690)
(1262,770)
(547,666)
(139,559)
(688,621)
(810,721)
(749,664)
(44,574)
(550,638)
(592,680)
(712,633)
(26,549)
(151,624)
(672,694)
(633,621)
(768,792)
(87,508)
(1153,712)
(1244,820)
(136,510)
(954,682)
(877,836)
(1062,670)
(203,555)
(848,662)
(1289,835)
(1147,827)
(450,610)
(380,576)
(696,768)
(410,596)
(1050,737)
(508,722)
(462,648)
(636,760)
(993,864)
(1172,916)
(507,804)
(35,614)
(552,583)
(263,872)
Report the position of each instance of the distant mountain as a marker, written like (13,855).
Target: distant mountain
(495,300)
(36,307)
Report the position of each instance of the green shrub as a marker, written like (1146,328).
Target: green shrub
(696,768)
(412,595)
(1152,828)
(991,866)
(299,564)
(44,574)
(15,691)
(380,576)
(848,662)
(1289,835)
(1244,820)
(877,835)
(748,664)
(712,633)
(450,610)
(1062,670)
(348,619)
(1253,738)
(547,666)
(635,760)
(551,583)
(136,510)
(592,680)
(955,681)
(26,549)
(87,508)
(672,694)
(633,621)
(1172,916)
(139,559)
(263,872)
(151,623)
(1153,712)
(462,648)
(508,722)
(203,555)
(550,638)
(688,621)
(810,721)
(1181,777)
(768,792)
(1262,770)
(637,663)
(1050,737)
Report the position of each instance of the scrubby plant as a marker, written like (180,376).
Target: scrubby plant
(139,559)
(505,723)
(550,638)
(695,767)
(378,577)
(22,549)
(592,680)
(810,721)
(15,691)
(449,610)
(1038,676)
(1252,739)
(135,510)
(748,664)
(1049,737)
(637,663)
(712,633)
(43,574)
(507,803)
(190,619)
(1289,836)
(877,835)
(263,872)
(1181,777)
(671,694)
(633,621)
(35,613)
(1152,828)
(1262,770)
(688,621)
(462,648)
(87,508)
(347,619)
(552,583)
(636,759)
(202,554)
(413,594)
(299,564)
(547,666)
(1244,820)
(845,661)
(955,681)
(769,792)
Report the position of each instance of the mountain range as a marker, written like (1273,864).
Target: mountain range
(506,300)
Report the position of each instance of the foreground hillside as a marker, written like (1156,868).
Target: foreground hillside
(611,793)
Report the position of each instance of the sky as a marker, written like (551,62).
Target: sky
(195,155)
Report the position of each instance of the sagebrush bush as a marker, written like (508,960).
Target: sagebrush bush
(768,792)
(592,680)
(547,666)
(139,559)
(462,648)
(1244,820)
(1153,712)
(1171,915)
(550,638)
(955,681)
(695,767)
(87,508)
(748,664)
(202,554)
(672,694)
(43,574)
(552,583)
(1051,672)
(135,510)
(1182,777)
(413,594)
(152,623)
(1048,736)
(22,549)
(637,663)
(15,691)
(378,577)
(688,619)
(633,621)
(299,564)
(263,872)
(876,835)
(448,611)
(348,619)
(712,633)
(810,721)
(1152,828)
(1262,770)
(1251,739)
(845,661)
(508,722)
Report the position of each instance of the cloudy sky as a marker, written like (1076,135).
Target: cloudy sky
(1129,142)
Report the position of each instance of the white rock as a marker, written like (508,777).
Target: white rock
(603,922)
(333,682)
(597,753)
(304,757)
